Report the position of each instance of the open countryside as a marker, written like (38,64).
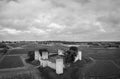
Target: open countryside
(105,61)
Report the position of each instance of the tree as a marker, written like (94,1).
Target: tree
(73,48)
(31,55)
(71,54)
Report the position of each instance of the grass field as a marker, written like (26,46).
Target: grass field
(102,68)
(102,53)
(11,62)
(18,51)
(19,76)
(117,61)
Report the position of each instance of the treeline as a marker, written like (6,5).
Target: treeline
(90,43)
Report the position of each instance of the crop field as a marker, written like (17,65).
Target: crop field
(11,62)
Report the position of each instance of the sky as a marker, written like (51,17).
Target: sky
(66,20)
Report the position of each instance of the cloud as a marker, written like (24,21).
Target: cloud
(10,31)
(36,31)
(63,19)
(82,1)
(55,26)
(111,22)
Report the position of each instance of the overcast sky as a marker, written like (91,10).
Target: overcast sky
(73,20)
